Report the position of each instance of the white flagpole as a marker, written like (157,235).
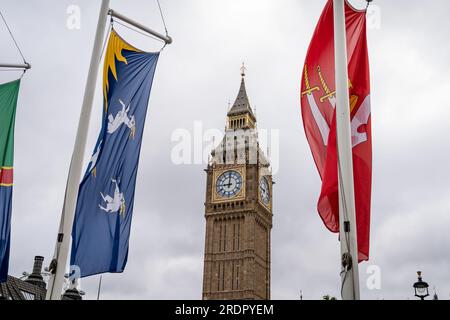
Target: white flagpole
(347,216)
(56,281)
(25,66)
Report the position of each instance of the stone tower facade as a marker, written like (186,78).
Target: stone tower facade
(238,211)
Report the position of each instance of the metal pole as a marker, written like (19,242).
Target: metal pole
(166,39)
(16,66)
(347,216)
(99,287)
(56,281)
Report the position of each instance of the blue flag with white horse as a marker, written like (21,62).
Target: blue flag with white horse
(102,223)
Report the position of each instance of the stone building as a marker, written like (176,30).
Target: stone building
(32,288)
(238,210)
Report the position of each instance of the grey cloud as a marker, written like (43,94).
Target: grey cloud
(195,78)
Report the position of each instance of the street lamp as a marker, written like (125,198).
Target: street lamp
(421,287)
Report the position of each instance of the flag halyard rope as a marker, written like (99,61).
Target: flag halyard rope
(162,18)
(12,37)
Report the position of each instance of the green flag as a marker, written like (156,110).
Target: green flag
(8,102)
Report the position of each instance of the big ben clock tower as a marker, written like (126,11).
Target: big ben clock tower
(238,211)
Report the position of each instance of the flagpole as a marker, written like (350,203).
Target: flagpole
(25,66)
(347,215)
(58,265)
(99,287)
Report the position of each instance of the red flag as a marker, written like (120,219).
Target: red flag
(318,112)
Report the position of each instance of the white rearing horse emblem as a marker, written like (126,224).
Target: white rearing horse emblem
(121,118)
(116,204)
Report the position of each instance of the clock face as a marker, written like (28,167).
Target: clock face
(264,190)
(229,184)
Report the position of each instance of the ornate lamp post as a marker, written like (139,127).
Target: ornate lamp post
(421,287)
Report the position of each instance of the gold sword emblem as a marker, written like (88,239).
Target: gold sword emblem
(308,90)
(328,92)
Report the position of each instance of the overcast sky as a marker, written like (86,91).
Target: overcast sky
(195,78)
